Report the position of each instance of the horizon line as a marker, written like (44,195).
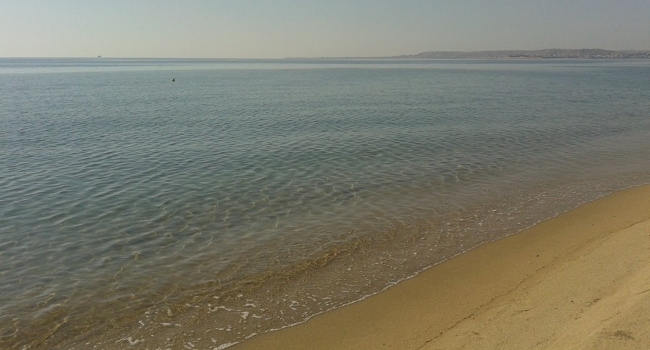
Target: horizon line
(313,57)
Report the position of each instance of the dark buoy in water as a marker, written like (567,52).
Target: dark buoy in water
(173,80)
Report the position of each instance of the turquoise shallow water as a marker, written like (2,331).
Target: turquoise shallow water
(264,192)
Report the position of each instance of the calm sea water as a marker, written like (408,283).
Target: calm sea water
(250,195)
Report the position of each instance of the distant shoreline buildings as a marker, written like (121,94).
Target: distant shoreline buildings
(535,54)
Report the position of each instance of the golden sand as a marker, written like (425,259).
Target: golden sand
(578,281)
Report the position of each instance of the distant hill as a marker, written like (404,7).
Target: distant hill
(548,53)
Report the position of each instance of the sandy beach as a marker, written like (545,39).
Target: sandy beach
(578,281)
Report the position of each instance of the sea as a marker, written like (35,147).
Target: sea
(165,203)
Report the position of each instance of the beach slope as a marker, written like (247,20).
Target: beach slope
(578,281)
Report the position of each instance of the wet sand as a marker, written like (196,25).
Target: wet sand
(577,281)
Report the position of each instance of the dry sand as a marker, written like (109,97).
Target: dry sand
(578,281)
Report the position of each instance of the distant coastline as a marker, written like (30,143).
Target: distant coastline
(535,54)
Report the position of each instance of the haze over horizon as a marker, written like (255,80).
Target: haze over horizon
(335,28)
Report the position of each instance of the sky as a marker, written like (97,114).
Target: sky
(314,28)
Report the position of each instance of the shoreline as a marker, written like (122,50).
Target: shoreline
(546,285)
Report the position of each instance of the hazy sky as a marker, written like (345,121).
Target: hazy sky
(313,28)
